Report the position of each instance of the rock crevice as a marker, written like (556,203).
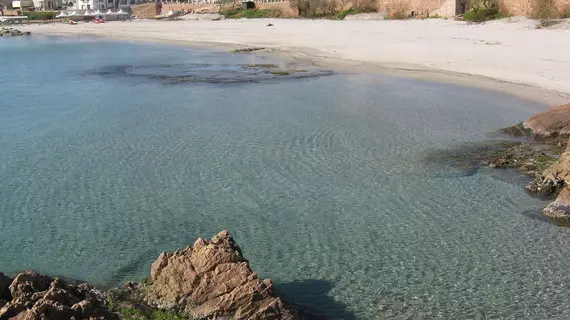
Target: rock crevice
(216,281)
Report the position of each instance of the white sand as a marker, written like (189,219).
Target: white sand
(508,50)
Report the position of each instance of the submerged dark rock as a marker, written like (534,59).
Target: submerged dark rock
(528,158)
(245,50)
(211,73)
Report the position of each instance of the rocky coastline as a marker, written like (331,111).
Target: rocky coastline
(208,280)
(11,32)
(543,153)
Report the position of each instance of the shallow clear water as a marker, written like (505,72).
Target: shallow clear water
(324,182)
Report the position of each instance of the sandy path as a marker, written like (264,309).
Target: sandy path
(512,51)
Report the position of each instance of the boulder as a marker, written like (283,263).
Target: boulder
(35,296)
(212,279)
(6,32)
(550,123)
(558,211)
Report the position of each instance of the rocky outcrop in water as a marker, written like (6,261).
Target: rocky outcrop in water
(550,128)
(550,123)
(32,296)
(209,280)
(11,32)
(553,178)
(558,175)
(558,211)
(212,279)
(544,138)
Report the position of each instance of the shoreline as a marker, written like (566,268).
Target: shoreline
(206,274)
(148,31)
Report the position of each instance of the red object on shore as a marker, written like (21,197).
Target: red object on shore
(99,21)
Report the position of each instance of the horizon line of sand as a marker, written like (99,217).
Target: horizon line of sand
(508,55)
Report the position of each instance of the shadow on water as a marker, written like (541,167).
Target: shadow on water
(466,158)
(311,297)
(536,216)
(128,271)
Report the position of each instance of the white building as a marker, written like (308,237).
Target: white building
(23,4)
(47,4)
(105,4)
(37,4)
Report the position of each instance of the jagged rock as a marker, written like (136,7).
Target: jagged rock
(554,178)
(559,211)
(545,187)
(561,169)
(212,279)
(35,297)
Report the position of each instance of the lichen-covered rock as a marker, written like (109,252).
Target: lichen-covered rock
(212,279)
(35,297)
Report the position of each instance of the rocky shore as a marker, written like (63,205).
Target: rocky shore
(11,32)
(544,154)
(209,280)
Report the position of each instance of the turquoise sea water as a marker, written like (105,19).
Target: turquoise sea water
(324,182)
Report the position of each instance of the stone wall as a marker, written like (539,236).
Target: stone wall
(285,7)
(450,8)
(190,7)
(525,7)
(144,11)
(517,7)
(419,8)
(147,10)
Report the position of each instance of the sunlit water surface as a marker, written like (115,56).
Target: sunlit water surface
(325,182)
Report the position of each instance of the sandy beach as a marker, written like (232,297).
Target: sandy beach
(509,55)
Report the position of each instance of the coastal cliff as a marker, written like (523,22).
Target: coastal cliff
(209,280)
